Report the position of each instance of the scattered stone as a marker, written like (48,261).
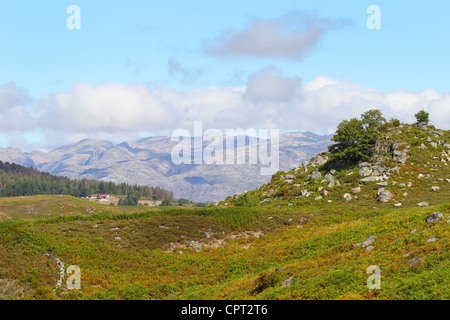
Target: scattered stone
(382,184)
(118,238)
(398,205)
(363,164)
(318,160)
(287,282)
(414,262)
(365,171)
(369,241)
(356,190)
(366,243)
(423,204)
(431,239)
(434,217)
(347,197)
(413,231)
(435,188)
(372,179)
(384,195)
(325,193)
(305,193)
(318,198)
(316,175)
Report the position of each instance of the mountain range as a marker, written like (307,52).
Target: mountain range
(148,161)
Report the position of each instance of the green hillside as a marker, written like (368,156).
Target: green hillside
(310,233)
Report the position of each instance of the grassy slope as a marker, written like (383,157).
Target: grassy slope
(130,256)
(312,246)
(48,206)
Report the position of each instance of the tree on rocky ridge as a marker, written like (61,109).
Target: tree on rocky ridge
(355,138)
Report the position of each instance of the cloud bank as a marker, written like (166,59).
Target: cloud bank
(118,112)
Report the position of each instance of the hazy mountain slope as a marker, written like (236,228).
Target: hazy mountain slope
(148,162)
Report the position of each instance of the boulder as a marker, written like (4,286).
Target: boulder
(363,164)
(384,195)
(287,282)
(356,190)
(318,160)
(365,171)
(378,170)
(400,155)
(434,217)
(316,175)
(372,179)
(305,193)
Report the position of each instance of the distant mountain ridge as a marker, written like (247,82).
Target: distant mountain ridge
(148,162)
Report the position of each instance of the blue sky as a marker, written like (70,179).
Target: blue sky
(167,44)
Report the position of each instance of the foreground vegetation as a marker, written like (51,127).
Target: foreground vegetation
(246,253)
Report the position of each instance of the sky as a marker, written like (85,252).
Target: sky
(123,70)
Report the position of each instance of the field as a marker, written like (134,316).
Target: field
(230,253)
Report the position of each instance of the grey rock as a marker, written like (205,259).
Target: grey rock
(369,241)
(384,195)
(414,262)
(363,164)
(434,217)
(365,171)
(316,175)
(423,204)
(356,190)
(287,282)
(372,179)
(305,193)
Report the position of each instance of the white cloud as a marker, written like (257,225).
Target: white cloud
(290,37)
(119,112)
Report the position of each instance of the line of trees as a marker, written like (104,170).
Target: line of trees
(17,180)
